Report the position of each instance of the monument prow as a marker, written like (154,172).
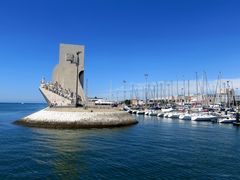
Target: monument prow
(66,92)
(67,85)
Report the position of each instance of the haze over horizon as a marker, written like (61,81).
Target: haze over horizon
(123,40)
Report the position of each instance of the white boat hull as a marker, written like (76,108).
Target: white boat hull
(204,118)
(160,115)
(227,121)
(185,117)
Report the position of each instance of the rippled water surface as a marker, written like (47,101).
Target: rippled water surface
(153,149)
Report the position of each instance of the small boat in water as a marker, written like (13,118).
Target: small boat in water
(161,114)
(153,113)
(129,111)
(166,115)
(185,117)
(227,120)
(126,108)
(140,112)
(167,110)
(236,123)
(173,115)
(204,117)
(134,111)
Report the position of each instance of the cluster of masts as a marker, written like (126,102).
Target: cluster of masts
(200,90)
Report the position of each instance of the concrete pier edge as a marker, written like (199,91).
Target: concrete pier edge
(59,119)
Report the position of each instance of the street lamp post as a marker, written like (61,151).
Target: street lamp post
(77,64)
(75,60)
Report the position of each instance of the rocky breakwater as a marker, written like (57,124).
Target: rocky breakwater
(73,118)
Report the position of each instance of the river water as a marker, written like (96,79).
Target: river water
(155,148)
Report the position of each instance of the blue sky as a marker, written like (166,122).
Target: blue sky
(124,39)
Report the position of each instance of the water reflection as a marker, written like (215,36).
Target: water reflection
(71,148)
(156,147)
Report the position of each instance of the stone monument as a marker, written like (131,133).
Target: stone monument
(67,86)
(65,92)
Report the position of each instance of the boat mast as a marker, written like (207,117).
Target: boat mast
(225,94)
(161,90)
(184,89)
(233,95)
(168,92)
(216,90)
(207,92)
(146,89)
(154,94)
(228,94)
(197,85)
(188,91)
(164,91)
(177,90)
(203,88)
(220,79)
